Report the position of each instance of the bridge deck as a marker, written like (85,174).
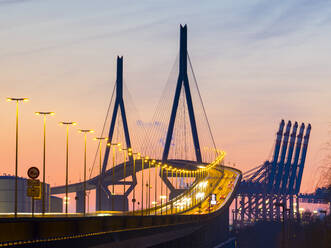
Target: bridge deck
(54,228)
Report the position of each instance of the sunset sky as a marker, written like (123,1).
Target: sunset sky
(256,62)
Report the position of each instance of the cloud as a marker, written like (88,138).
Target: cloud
(6,2)
(288,17)
(80,40)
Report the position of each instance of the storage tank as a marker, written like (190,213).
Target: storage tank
(24,203)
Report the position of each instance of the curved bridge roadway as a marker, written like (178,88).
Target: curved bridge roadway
(185,212)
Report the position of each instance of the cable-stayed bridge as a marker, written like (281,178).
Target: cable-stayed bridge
(163,183)
(155,185)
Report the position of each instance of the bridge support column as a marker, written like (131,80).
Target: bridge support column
(112,202)
(119,203)
(105,203)
(79,202)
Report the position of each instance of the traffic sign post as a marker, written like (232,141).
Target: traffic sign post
(33,172)
(34,186)
(34,189)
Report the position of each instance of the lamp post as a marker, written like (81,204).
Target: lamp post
(17,100)
(124,174)
(161,168)
(100,139)
(85,132)
(44,114)
(172,182)
(67,123)
(133,154)
(142,184)
(170,168)
(155,190)
(149,186)
(113,170)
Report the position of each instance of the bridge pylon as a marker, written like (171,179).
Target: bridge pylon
(182,83)
(110,201)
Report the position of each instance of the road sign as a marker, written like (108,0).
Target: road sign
(33,183)
(34,189)
(33,172)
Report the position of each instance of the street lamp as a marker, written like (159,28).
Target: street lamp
(155,190)
(100,139)
(161,168)
(17,100)
(142,184)
(113,172)
(85,132)
(67,123)
(44,114)
(172,182)
(134,173)
(124,173)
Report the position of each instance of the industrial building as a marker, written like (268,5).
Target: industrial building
(24,203)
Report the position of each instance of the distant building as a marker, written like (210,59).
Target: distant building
(24,203)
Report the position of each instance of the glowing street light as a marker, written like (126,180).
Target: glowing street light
(142,184)
(114,145)
(100,139)
(67,124)
(85,132)
(134,172)
(44,114)
(124,173)
(17,100)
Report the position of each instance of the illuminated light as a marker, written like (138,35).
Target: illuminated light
(154,202)
(201,167)
(200,195)
(301,209)
(68,123)
(163,197)
(203,184)
(103,214)
(315,211)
